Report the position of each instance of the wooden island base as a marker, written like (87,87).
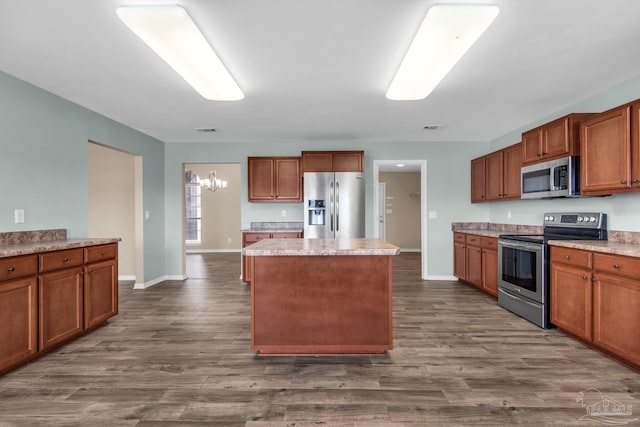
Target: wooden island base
(321,305)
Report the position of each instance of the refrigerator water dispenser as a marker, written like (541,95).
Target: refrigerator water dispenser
(316,212)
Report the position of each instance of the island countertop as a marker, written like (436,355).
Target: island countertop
(320,247)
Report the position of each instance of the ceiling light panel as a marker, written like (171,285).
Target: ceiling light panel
(446,33)
(172,34)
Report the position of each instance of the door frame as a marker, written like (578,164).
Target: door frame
(377,164)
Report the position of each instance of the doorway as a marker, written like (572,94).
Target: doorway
(115,205)
(409,166)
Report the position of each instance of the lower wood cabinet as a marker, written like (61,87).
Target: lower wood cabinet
(18,320)
(60,306)
(250,237)
(49,298)
(475,261)
(596,297)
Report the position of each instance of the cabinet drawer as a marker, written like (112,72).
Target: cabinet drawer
(284,235)
(473,239)
(99,253)
(490,243)
(18,266)
(570,256)
(250,238)
(616,264)
(459,237)
(50,261)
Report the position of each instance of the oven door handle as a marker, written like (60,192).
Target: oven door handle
(536,247)
(521,300)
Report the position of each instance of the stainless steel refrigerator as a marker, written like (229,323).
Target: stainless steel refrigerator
(334,204)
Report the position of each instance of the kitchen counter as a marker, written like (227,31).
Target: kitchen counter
(321,296)
(51,245)
(320,247)
(275,227)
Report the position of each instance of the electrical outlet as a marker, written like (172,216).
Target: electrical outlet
(19,216)
(284,214)
(509,214)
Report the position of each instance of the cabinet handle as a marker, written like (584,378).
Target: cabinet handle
(624,181)
(616,265)
(65,259)
(584,276)
(567,256)
(11,268)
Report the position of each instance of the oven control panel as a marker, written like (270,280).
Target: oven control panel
(596,220)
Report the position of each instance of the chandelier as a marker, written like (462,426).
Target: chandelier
(213,183)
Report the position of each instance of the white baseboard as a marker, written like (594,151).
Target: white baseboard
(157,280)
(447,278)
(409,249)
(126,277)
(212,251)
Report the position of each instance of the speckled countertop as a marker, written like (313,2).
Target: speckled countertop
(320,247)
(275,227)
(51,245)
(15,243)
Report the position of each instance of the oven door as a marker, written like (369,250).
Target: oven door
(521,269)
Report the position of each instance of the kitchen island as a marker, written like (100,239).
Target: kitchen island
(321,296)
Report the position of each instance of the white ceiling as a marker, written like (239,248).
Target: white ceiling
(317,70)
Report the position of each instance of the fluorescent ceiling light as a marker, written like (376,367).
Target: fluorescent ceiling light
(171,33)
(445,34)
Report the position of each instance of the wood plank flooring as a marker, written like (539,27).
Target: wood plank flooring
(178,354)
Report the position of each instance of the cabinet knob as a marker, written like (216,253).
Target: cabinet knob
(567,256)
(584,276)
(104,253)
(635,180)
(544,154)
(623,181)
(616,265)
(65,259)
(594,280)
(11,268)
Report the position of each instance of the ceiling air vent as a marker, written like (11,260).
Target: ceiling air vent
(205,130)
(432,127)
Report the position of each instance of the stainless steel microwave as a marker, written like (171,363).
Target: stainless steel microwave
(555,178)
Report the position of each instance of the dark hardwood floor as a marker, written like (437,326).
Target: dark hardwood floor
(178,354)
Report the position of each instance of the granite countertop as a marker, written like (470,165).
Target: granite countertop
(605,246)
(8,250)
(485,233)
(320,247)
(275,227)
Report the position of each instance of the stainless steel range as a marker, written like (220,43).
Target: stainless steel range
(523,262)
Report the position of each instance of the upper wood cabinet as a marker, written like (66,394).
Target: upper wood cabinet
(332,161)
(274,179)
(478,180)
(552,140)
(610,154)
(496,176)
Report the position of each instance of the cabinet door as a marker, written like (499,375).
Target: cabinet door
(605,154)
(512,165)
(460,260)
(347,161)
(261,173)
(60,305)
(18,321)
(288,179)
(532,146)
(317,161)
(556,141)
(490,271)
(100,292)
(474,265)
(635,145)
(616,311)
(477,180)
(571,299)
(493,176)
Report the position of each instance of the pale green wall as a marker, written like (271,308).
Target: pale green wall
(623,210)
(44,161)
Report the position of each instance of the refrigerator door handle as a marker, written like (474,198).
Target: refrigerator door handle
(331,206)
(337,206)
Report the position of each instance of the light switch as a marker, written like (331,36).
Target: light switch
(19,216)
(147,214)
(433,214)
